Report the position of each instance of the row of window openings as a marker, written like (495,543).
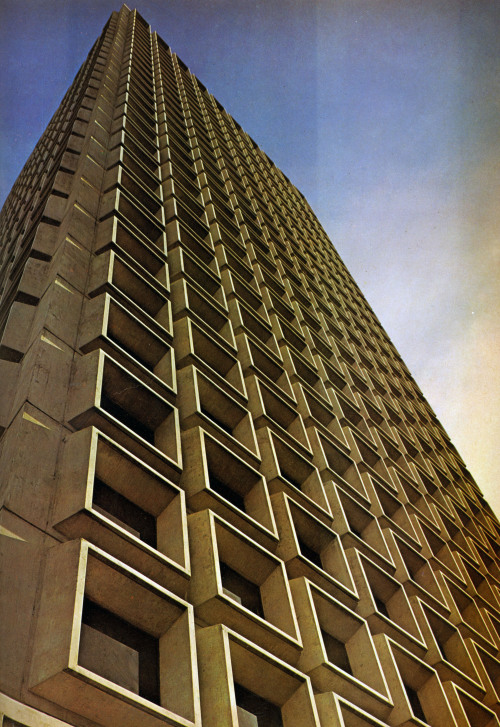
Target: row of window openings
(182,159)
(135,166)
(207,118)
(138,149)
(143,525)
(168,78)
(144,122)
(134,67)
(212,166)
(139,66)
(243,591)
(171,94)
(171,106)
(135,92)
(148,198)
(131,82)
(140,671)
(180,145)
(147,160)
(132,76)
(132,130)
(177,133)
(143,109)
(194,113)
(198,113)
(207,125)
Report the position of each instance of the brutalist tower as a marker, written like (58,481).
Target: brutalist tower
(225,502)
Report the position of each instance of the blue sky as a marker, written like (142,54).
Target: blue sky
(384,114)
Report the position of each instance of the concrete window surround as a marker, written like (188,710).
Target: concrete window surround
(90,458)
(239,661)
(416,690)
(217,477)
(339,654)
(94,673)
(311,549)
(273,624)
(97,398)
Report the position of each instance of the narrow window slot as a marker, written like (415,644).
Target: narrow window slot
(310,553)
(264,713)
(126,513)
(336,652)
(241,589)
(128,419)
(415,703)
(146,646)
(226,491)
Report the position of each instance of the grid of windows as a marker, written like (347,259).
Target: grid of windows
(225,501)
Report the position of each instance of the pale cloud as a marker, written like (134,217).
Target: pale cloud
(463,384)
(427,260)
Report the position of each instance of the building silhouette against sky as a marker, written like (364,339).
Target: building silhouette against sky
(225,501)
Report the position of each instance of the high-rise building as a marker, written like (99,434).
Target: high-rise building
(224,500)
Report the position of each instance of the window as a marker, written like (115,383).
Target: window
(118,648)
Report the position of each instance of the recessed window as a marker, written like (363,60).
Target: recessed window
(414,701)
(116,650)
(336,651)
(310,553)
(228,493)
(133,518)
(241,589)
(108,629)
(254,711)
(381,606)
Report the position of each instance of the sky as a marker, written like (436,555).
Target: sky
(384,113)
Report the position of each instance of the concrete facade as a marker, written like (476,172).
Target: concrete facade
(224,501)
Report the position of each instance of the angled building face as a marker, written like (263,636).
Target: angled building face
(224,500)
